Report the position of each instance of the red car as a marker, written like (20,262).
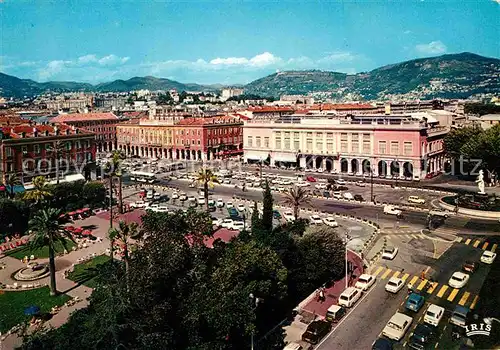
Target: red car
(310,179)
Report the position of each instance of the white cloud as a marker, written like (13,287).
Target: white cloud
(432,48)
(229,61)
(261,60)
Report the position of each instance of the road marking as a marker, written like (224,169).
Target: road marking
(405,277)
(476,243)
(386,273)
(453,294)
(432,288)
(458,239)
(474,302)
(494,247)
(380,268)
(396,274)
(344,318)
(464,299)
(442,291)
(413,280)
(415,236)
(485,245)
(468,241)
(408,236)
(422,285)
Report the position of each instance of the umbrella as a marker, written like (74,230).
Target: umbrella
(78,230)
(86,233)
(32,310)
(79,211)
(72,213)
(86,209)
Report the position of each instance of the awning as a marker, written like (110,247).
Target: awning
(284,157)
(255,155)
(68,178)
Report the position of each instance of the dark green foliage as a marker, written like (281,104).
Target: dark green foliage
(76,195)
(14,216)
(481,108)
(267,210)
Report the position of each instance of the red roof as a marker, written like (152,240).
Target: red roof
(17,131)
(222,119)
(223,233)
(134,114)
(81,117)
(11,120)
(341,106)
(270,109)
(241,116)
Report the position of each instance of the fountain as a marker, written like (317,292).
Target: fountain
(33,271)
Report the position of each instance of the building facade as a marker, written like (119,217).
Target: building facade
(102,125)
(27,151)
(175,136)
(396,145)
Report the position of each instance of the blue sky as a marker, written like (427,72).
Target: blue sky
(233,41)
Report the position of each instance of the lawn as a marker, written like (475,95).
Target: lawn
(85,273)
(12,305)
(39,253)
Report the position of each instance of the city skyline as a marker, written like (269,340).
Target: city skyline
(233,43)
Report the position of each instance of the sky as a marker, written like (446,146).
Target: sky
(233,42)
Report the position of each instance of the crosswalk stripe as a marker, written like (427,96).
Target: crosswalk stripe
(421,236)
(468,241)
(422,285)
(380,268)
(485,245)
(452,295)
(386,273)
(415,236)
(474,302)
(413,280)
(464,298)
(405,277)
(442,291)
(432,288)
(408,236)
(396,274)
(476,243)
(494,247)
(459,239)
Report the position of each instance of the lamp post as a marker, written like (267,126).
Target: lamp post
(372,169)
(187,146)
(347,239)
(254,302)
(397,176)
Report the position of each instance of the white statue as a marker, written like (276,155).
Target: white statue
(480,182)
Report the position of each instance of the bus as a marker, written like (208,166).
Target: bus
(173,166)
(142,176)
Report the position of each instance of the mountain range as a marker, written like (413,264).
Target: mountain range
(447,76)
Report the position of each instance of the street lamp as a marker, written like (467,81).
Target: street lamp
(347,239)
(254,302)
(187,146)
(372,169)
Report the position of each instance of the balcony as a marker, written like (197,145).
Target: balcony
(440,130)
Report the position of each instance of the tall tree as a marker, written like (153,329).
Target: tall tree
(47,230)
(267,210)
(207,179)
(295,198)
(124,233)
(12,182)
(40,193)
(57,151)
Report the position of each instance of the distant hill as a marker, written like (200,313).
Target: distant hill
(448,76)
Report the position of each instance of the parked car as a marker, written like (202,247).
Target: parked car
(337,195)
(288,215)
(139,204)
(359,198)
(458,280)
(157,196)
(330,221)
(365,281)
(360,183)
(433,315)
(349,297)
(316,331)
(229,205)
(469,266)
(315,220)
(320,186)
(397,326)
(421,337)
(459,316)
(183,197)
(340,182)
(394,285)
(227,223)
(391,210)
(348,196)
(414,302)
(416,200)
(310,179)
(334,313)
(201,200)
(241,207)
(238,225)
(175,195)
(390,253)
(382,344)
(488,257)
(220,203)
(276,214)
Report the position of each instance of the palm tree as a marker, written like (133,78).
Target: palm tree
(296,197)
(114,170)
(206,178)
(124,233)
(48,229)
(57,150)
(40,192)
(12,181)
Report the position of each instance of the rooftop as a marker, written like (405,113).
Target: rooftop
(81,117)
(39,130)
(221,119)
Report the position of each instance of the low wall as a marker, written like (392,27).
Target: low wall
(471,212)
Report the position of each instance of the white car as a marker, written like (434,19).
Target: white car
(153,207)
(157,195)
(416,200)
(227,223)
(227,182)
(287,182)
(220,203)
(330,221)
(397,326)
(364,282)
(320,186)
(348,195)
(320,170)
(162,209)
(390,253)
(360,183)
(433,315)
(488,257)
(302,184)
(458,280)
(394,285)
(150,195)
(201,200)
(229,205)
(183,197)
(340,182)
(337,195)
(241,207)
(139,204)
(392,210)
(288,215)
(175,195)
(315,220)
(238,225)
